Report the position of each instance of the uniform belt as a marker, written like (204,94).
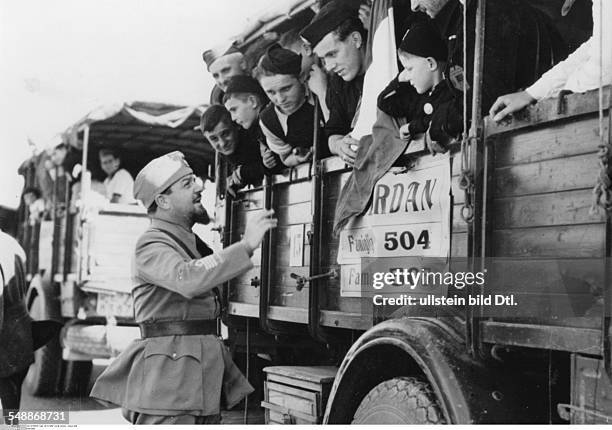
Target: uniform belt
(172,328)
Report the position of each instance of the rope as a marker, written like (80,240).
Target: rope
(466,181)
(602,191)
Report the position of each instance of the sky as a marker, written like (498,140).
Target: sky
(60,59)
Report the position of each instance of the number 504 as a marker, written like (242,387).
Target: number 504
(394,239)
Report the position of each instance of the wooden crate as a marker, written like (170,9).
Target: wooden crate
(297,394)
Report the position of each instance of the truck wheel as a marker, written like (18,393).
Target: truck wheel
(403,400)
(43,378)
(76,377)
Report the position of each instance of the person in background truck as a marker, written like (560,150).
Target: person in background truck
(235,147)
(312,72)
(245,99)
(222,64)
(338,38)
(287,122)
(118,183)
(32,198)
(423,55)
(578,73)
(179,372)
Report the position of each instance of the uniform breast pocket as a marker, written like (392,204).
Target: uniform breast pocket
(172,374)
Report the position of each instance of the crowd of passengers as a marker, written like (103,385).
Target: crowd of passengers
(262,118)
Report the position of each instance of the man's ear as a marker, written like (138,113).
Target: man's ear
(162,201)
(357,39)
(254,101)
(432,63)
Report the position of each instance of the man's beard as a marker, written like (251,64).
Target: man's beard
(201,217)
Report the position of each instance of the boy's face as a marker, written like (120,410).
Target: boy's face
(244,110)
(109,164)
(285,91)
(419,71)
(342,57)
(223,138)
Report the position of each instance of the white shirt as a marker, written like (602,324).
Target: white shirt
(120,183)
(579,72)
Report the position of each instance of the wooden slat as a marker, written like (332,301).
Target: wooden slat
(571,173)
(561,208)
(586,241)
(556,276)
(553,141)
(243,309)
(354,321)
(587,341)
(288,194)
(296,315)
(294,214)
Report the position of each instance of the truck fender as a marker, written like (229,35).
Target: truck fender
(468,390)
(44,288)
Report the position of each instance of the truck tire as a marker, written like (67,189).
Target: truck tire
(403,400)
(76,377)
(43,378)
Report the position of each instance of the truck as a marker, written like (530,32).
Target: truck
(79,253)
(511,205)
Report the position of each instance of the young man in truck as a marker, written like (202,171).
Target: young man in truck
(245,99)
(287,122)
(222,64)
(235,147)
(338,38)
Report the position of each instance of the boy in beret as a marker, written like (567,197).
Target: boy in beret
(245,99)
(287,123)
(179,371)
(420,93)
(338,38)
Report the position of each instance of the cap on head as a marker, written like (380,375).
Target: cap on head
(240,84)
(424,40)
(328,19)
(158,175)
(211,55)
(280,61)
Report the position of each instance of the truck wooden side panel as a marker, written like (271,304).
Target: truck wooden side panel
(548,247)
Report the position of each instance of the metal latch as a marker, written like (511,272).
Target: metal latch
(301,280)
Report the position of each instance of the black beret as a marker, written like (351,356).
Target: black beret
(280,61)
(241,84)
(424,40)
(328,19)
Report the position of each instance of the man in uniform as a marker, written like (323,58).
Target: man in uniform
(222,65)
(337,36)
(179,372)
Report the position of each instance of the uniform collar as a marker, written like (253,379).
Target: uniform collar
(187,236)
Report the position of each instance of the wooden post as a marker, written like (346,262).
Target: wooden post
(475,233)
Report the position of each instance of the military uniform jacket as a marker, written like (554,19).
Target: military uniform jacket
(176,375)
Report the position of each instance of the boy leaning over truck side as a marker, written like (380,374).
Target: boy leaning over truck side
(245,99)
(435,109)
(287,122)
